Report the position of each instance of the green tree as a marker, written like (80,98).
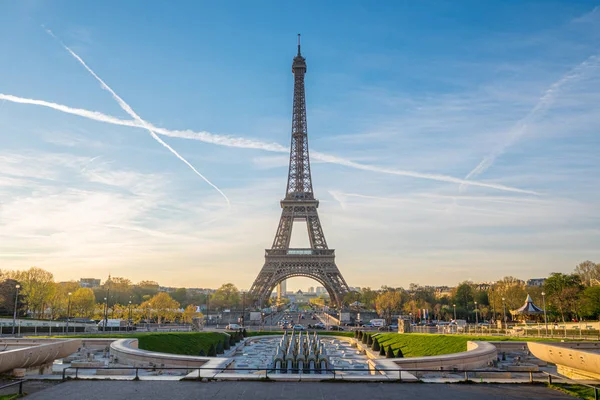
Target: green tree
(181,296)
(227,296)
(590,298)
(463,294)
(563,292)
(367,297)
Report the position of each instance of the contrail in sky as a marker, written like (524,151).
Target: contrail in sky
(542,105)
(229,141)
(133,114)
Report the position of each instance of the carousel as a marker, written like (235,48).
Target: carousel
(527,311)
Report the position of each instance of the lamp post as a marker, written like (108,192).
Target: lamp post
(454,306)
(17,287)
(129,321)
(68,311)
(105,313)
(504,314)
(476,317)
(207,308)
(545,316)
(243,307)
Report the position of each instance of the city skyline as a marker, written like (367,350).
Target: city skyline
(440,152)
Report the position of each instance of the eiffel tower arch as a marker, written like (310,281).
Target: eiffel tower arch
(281,261)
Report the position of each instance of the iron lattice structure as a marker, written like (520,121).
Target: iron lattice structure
(281,261)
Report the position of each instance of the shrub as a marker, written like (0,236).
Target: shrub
(202,353)
(212,351)
(220,349)
(360,335)
(356,333)
(364,338)
(399,354)
(231,340)
(226,345)
(389,353)
(375,346)
(245,333)
(382,351)
(369,340)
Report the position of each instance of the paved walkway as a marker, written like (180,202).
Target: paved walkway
(102,390)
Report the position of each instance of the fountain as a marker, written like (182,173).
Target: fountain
(298,353)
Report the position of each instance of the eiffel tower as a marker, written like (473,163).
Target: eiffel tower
(281,261)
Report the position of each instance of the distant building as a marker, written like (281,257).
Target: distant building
(321,290)
(89,283)
(311,289)
(441,291)
(536,282)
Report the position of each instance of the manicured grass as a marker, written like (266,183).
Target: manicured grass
(9,396)
(420,345)
(187,343)
(579,391)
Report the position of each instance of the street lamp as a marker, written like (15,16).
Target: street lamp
(105,313)
(545,316)
(129,314)
(243,307)
(504,313)
(17,287)
(454,306)
(207,308)
(68,311)
(476,317)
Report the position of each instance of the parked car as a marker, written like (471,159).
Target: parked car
(233,327)
(299,327)
(336,328)
(319,325)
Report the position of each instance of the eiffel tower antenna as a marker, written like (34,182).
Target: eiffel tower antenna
(281,261)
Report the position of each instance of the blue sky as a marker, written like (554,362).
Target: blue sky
(403,99)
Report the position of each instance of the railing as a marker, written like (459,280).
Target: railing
(573,382)
(20,383)
(335,373)
(530,332)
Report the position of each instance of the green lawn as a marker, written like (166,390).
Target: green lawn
(187,343)
(420,345)
(579,391)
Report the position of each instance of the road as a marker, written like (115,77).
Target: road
(174,390)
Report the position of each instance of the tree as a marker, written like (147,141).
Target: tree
(590,298)
(511,289)
(8,291)
(367,297)
(563,292)
(83,303)
(463,294)
(589,272)
(389,303)
(163,306)
(190,313)
(37,287)
(227,296)
(180,295)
